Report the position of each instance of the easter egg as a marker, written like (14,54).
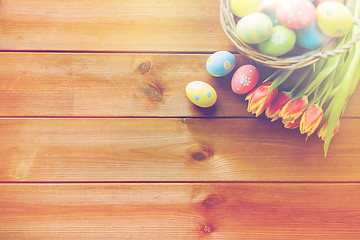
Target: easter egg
(254,28)
(201,94)
(270,11)
(241,8)
(296,14)
(334,19)
(309,37)
(318,2)
(281,41)
(220,63)
(244,79)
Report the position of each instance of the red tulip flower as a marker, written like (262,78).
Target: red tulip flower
(273,110)
(323,129)
(292,125)
(311,119)
(294,109)
(260,98)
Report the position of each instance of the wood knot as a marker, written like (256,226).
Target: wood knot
(152,91)
(207,229)
(213,200)
(144,67)
(202,154)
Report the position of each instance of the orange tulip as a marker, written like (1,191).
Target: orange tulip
(322,130)
(292,125)
(311,119)
(260,98)
(294,109)
(273,110)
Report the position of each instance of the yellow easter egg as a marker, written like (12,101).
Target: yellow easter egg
(334,19)
(201,94)
(241,8)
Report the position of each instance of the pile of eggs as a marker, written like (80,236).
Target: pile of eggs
(274,27)
(219,64)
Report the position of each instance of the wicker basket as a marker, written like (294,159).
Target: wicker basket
(289,62)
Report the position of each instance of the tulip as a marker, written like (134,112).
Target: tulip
(292,125)
(311,119)
(273,110)
(260,98)
(322,130)
(294,109)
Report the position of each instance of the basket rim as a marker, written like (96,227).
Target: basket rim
(329,49)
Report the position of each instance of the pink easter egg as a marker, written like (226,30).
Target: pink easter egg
(244,79)
(296,14)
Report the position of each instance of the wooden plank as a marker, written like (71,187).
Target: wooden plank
(158,149)
(116,85)
(112,25)
(109,85)
(179,211)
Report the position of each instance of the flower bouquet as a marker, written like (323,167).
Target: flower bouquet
(310,90)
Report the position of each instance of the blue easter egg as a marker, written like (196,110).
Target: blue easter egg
(309,37)
(220,63)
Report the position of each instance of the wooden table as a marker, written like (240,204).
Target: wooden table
(98,139)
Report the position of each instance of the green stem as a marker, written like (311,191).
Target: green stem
(346,88)
(280,79)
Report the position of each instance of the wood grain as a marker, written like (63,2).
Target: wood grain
(145,149)
(112,25)
(117,85)
(179,211)
(109,85)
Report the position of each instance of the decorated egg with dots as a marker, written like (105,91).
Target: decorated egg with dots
(296,14)
(309,37)
(244,79)
(201,94)
(281,41)
(241,8)
(334,19)
(254,28)
(220,63)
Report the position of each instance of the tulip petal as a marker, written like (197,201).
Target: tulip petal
(294,109)
(323,129)
(260,98)
(311,119)
(274,108)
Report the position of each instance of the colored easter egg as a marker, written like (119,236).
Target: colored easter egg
(269,10)
(201,94)
(309,37)
(318,2)
(241,8)
(254,28)
(296,14)
(334,19)
(281,41)
(220,63)
(244,79)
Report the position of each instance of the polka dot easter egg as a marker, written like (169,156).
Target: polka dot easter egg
(254,28)
(281,41)
(241,8)
(296,14)
(201,94)
(244,79)
(220,63)
(334,19)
